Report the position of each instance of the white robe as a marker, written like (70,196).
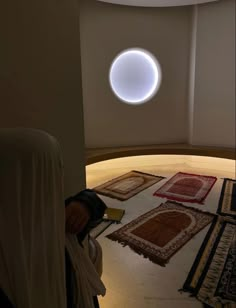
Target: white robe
(32,226)
(87,282)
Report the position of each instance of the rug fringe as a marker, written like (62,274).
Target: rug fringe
(139,251)
(185,290)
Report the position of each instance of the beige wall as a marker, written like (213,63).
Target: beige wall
(214,94)
(195,103)
(106,30)
(40,76)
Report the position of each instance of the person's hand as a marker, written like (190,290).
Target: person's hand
(77,217)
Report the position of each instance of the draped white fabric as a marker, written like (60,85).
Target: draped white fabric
(87,281)
(157,3)
(32,235)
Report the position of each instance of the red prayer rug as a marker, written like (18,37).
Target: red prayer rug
(187,187)
(161,232)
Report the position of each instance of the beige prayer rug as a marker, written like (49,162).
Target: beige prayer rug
(161,232)
(127,185)
(212,278)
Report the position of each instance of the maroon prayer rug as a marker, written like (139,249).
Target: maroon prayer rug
(161,232)
(186,187)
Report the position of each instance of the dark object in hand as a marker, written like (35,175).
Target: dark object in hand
(84,211)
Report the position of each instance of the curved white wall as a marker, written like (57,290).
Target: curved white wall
(168,33)
(214,111)
(105,31)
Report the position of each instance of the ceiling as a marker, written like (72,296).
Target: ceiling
(157,3)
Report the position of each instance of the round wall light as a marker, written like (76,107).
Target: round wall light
(135,76)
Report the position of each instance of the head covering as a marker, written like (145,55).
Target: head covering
(32,234)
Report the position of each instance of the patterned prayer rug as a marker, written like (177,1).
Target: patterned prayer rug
(186,187)
(161,232)
(127,185)
(212,278)
(227,202)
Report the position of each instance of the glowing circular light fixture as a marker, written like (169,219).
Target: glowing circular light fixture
(135,76)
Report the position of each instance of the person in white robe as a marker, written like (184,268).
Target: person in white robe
(32,227)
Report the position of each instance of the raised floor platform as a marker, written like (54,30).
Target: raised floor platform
(94,155)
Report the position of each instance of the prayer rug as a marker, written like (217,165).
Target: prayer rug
(161,232)
(212,278)
(227,202)
(186,187)
(127,185)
